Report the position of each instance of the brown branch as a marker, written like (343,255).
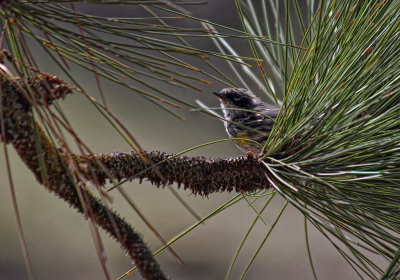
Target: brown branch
(59,174)
(49,168)
(200,175)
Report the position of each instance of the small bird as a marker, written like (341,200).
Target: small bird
(247,117)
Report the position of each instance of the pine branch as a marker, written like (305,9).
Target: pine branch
(49,168)
(66,175)
(200,175)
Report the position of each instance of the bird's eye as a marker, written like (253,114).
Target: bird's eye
(236,96)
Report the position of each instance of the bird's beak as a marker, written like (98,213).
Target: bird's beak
(219,94)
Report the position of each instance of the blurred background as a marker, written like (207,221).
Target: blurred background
(59,240)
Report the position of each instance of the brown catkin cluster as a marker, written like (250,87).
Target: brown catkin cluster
(19,96)
(39,154)
(200,175)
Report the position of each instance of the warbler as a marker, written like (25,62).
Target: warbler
(247,117)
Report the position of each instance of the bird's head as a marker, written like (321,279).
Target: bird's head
(235,98)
